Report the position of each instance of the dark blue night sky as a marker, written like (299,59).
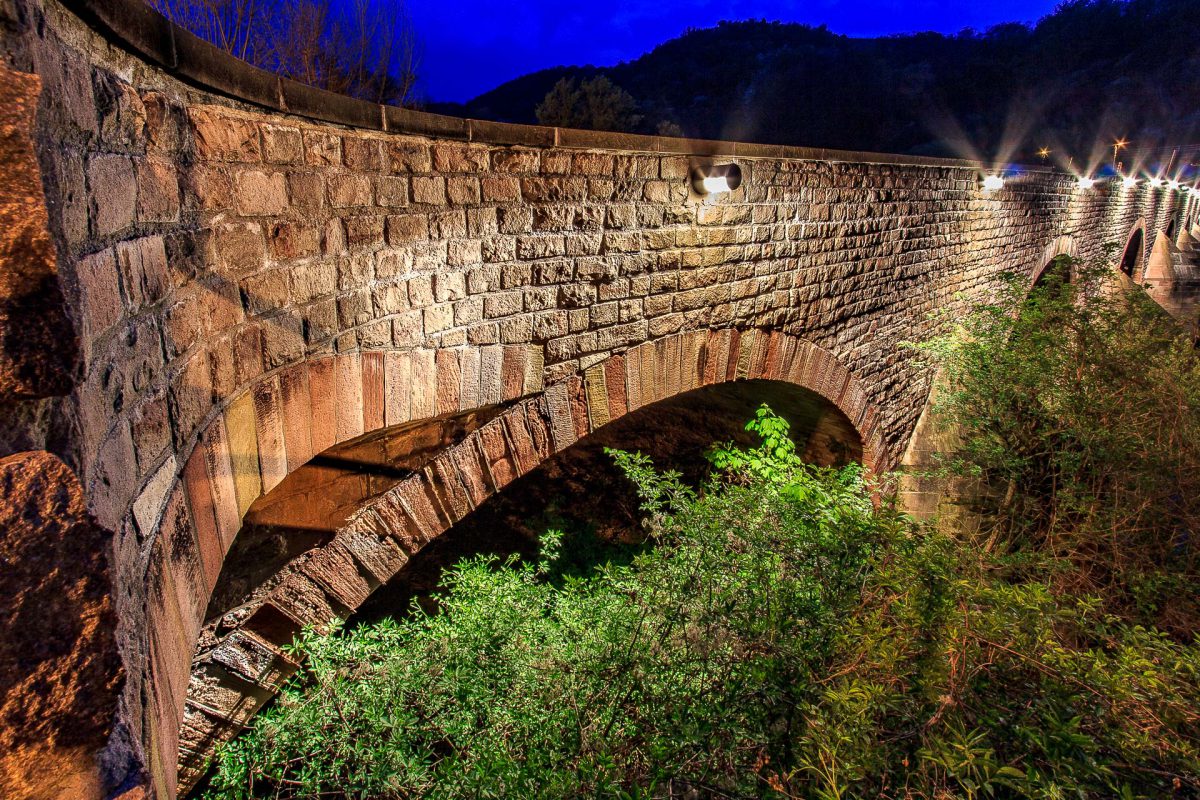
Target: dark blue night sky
(471,46)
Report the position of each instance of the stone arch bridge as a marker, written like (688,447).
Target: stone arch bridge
(210,277)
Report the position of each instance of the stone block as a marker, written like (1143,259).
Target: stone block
(157,190)
(113,191)
(260,192)
(346,191)
(282,144)
(224,137)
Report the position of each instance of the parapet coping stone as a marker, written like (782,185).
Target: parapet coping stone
(135,26)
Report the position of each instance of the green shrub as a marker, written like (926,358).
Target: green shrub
(683,669)
(787,635)
(1079,407)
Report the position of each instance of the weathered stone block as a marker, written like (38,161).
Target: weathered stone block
(113,187)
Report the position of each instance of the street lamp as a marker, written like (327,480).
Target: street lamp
(1118,145)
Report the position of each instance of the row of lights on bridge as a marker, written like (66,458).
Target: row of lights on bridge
(719,178)
(995,182)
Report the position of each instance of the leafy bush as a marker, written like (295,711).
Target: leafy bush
(787,635)
(678,671)
(1079,407)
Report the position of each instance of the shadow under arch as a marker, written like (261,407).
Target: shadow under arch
(581,489)
(241,665)
(1133,255)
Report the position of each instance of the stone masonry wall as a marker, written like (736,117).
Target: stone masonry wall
(251,286)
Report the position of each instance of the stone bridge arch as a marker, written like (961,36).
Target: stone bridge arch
(240,663)
(1060,246)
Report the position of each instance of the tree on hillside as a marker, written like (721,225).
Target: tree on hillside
(363,48)
(597,104)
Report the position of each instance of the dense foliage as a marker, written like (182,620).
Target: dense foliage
(1079,408)
(784,635)
(1091,71)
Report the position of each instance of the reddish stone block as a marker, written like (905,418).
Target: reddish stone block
(260,192)
(268,419)
(158,190)
(449,380)
(304,600)
(170,646)
(143,265)
(408,156)
(333,568)
(183,555)
(210,547)
(223,137)
(322,148)
(524,450)
(362,154)
(786,355)
(379,555)
(614,383)
(151,431)
(512,372)
(758,354)
(373,390)
(296,415)
(348,391)
(448,488)
(99,293)
(472,469)
(113,186)
(735,350)
(388,516)
(418,498)
(460,158)
(491,374)
(114,477)
(348,191)
(493,443)
(579,406)
(407,228)
(798,371)
(771,356)
(559,399)
(423,384)
(282,145)
(397,377)
(240,248)
(291,239)
(215,448)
